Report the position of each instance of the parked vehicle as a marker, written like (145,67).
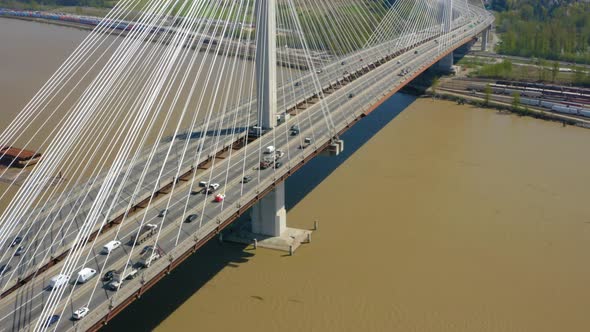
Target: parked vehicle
(85,274)
(17,240)
(112,245)
(58,281)
(145,233)
(80,313)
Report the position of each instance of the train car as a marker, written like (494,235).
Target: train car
(564,110)
(529,101)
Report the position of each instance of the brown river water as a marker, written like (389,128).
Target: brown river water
(449,219)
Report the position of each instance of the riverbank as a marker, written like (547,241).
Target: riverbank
(466,220)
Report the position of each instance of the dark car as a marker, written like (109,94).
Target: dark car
(19,251)
(191,218)
(5,268)
(350,95)
(247,179)
(163,213)
(146,249)
(109,275)
(52,320)
(278,164)
(17,240)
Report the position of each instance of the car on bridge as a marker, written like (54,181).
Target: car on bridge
(51,320)
(19,251)
(211,188)
(247,179)
(112,245)
(219,198)
(58,281)
(80,313)
(5,268)
(108,276)
(17,240)
(191,218)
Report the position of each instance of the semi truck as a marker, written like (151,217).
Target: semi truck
(148,257)
(144,233)
(118,276)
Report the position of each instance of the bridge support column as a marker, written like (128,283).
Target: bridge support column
(445,64)
(268,228)
(485,35)
(269,216)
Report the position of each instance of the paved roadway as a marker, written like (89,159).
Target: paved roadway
(23,306)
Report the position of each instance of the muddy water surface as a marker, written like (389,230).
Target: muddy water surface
(449,219)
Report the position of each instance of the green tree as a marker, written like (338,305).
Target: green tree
(516,102)
(554,71)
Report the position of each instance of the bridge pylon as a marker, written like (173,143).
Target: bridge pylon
(269,215)
(485,36)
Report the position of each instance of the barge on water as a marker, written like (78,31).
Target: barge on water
(15,157)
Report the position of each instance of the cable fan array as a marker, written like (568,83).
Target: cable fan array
(140,122)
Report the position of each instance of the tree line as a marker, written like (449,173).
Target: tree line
(550,29)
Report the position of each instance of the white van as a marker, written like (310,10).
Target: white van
(110,247)
(85,274)
(58,281)
(269,149)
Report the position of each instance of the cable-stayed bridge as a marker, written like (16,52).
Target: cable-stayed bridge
(191,115)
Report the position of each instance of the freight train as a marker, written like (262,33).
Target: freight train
(550,98)
(90,21)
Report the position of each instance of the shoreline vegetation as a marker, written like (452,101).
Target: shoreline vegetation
(545,29)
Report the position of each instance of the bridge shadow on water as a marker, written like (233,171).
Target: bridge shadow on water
(165,297)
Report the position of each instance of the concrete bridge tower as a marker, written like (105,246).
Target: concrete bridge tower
(269,216)
(446,64)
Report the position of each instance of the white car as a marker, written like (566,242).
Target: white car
(80,313)
(110,247)
(58,281)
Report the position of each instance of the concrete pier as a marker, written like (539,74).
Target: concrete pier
(445,64)
(269,216)
(485,35)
